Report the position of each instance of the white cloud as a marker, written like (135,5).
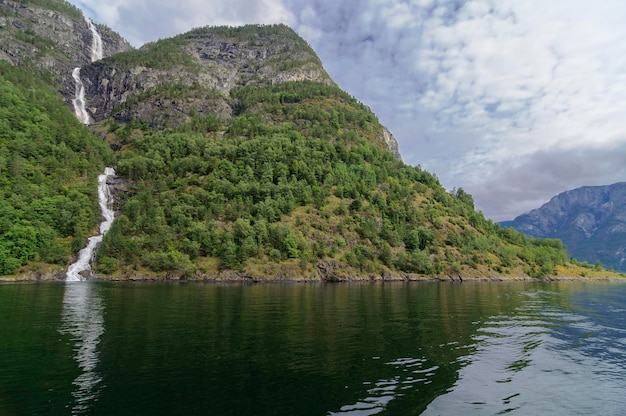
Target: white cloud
(101,12)
(520,77)
(495,96)
(142,21)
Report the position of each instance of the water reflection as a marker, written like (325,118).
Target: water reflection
(83,319)
(434,349)
(543,358)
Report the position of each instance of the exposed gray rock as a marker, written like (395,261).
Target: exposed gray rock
(392,143)
(214,65)
(215,61)
(55,41)
(331,271)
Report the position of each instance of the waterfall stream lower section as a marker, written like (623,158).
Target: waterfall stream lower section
(83,264)
(79,100)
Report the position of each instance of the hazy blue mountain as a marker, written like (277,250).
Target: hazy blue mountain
(590,220)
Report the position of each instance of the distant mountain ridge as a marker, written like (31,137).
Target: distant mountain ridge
(590,220)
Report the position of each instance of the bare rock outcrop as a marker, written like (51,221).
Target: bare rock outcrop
(206,64)
(55,40)
(391,142)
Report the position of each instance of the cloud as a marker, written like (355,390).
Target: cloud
(530,181)
(480,86)
(513,100)
(142,21)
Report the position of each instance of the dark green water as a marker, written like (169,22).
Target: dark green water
(313,349)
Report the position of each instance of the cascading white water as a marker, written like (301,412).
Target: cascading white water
(86,254)
(79,98)
(104,195)
(96,42)
(83,310)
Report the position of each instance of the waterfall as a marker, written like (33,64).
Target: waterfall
(96,42)
(85,255)
(79,98)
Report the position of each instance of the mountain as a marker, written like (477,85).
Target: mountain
(48,166)
(591,221)
(202,67)
(237,157)
(52,36)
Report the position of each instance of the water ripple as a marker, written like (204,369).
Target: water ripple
(544,359)
(385,390)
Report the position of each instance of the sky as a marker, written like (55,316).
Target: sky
(514,101)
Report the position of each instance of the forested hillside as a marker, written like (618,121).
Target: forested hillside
(237,158)
(298,185)
(48,167)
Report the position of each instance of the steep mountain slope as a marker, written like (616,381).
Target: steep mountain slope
(161,82)
(165,83)
(48,167)
(238,157)
(590,220)
(52,36)
(49,162)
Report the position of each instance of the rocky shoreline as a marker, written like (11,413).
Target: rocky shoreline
(230,276)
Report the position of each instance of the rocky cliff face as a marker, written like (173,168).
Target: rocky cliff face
(196,73)
(55,38)
(296,179)
(590,220)
(205,63)
(391,143)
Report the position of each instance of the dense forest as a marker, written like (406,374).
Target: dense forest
(298,177)
(48,166)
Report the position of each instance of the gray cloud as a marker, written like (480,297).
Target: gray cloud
(528,182)
(505,98)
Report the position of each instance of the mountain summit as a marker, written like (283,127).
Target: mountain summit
(590,220)
(200,72)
